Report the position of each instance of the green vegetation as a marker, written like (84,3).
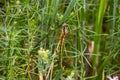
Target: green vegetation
(34,39)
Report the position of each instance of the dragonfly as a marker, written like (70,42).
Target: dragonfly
(61,42)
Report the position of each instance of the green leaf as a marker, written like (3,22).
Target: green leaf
(98,28)
(67,12)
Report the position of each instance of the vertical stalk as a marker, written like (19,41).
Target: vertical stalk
(114,12)
(79,36)
(10,45)
(43,17)
(98,28)
(114,15)
(83,10)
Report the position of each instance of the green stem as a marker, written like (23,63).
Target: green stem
(98,28)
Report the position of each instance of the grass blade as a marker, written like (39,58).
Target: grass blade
(67,12)
(98,28)
(55,8)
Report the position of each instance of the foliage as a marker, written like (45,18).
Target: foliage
(30,39)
